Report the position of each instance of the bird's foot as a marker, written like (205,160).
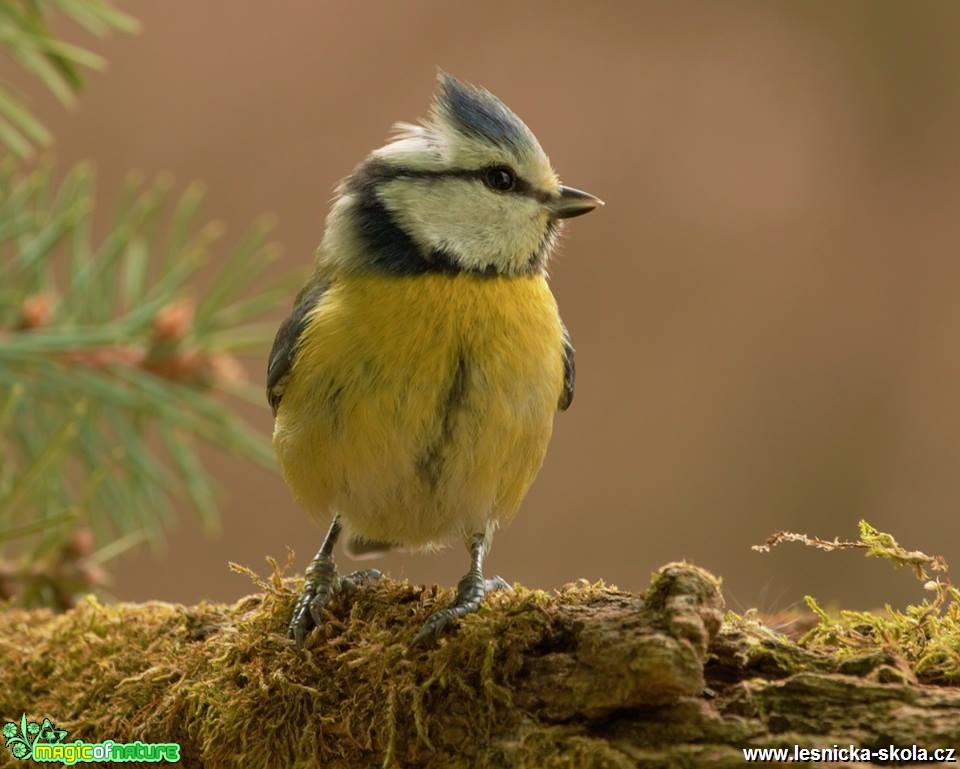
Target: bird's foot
(321,582)
(470,593)
(357,579)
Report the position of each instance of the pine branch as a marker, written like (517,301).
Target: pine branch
(26,38)
(109,367)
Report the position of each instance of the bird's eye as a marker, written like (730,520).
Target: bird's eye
(499,178)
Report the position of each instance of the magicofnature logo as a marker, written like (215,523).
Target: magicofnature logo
(22,739)
(43,742)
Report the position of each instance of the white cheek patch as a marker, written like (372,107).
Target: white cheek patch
(475,226)
(413,147)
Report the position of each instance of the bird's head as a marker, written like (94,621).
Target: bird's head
(469,189)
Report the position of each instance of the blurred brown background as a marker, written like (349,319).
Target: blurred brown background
(765,313)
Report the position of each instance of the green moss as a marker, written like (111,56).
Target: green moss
(923,638)
(226,682)
(588,677)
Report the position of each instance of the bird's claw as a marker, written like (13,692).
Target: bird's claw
(321,583)
(496,583)
(298,629)
(470,593)
(436,623)
(357,579)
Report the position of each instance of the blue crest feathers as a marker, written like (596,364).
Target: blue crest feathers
(478,113)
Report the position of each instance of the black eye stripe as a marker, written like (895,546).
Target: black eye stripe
(520,185)
(388,248)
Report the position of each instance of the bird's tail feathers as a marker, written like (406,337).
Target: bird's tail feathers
(361,549)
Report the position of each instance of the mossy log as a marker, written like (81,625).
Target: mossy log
(588,677)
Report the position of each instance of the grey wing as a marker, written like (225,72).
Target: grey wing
(569,371)
(285,343)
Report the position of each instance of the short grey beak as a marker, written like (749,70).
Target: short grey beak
(572,203)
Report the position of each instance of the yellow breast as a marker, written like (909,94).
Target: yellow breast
(420,408)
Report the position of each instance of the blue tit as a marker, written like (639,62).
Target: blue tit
(415,382)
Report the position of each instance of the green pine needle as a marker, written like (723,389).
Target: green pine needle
(25,36)
(109,382)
